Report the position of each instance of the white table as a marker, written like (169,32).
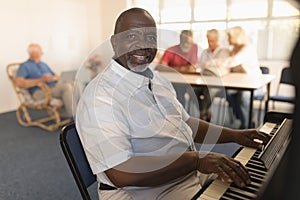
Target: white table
(237,81)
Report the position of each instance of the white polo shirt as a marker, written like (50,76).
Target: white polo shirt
(120,116)
(247,58)
(209,58)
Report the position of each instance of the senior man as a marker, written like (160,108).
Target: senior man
(138,139)
(34,71)
(183,58)
(209,58)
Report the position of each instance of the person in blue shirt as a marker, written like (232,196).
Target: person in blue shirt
(34,71)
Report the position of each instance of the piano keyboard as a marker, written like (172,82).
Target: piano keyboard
(256,168)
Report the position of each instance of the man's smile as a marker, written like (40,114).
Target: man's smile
(140,57)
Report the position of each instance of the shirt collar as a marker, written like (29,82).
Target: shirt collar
(30,60)
(139,79)
(215,51)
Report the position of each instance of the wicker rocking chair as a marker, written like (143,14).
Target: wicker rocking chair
(52,105)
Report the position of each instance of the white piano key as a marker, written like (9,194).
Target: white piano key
(216,189)
(267,128)
(205,197)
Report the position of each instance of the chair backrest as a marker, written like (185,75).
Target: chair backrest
(11,71)
(286,76)
(23,94)
(74,153)
(264,70)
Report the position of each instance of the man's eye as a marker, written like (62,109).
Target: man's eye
(131,36)
(151,38)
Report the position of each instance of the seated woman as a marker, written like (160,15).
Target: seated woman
(243,59)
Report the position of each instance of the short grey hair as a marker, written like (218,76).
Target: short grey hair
(32,47)
(213,33)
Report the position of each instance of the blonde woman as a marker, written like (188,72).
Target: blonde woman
(243,59)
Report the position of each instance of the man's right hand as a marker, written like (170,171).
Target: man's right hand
(47,78)
(227,168)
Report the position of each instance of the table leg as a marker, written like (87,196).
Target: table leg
(250,108)
(268,97)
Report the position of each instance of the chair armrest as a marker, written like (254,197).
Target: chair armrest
(46,89)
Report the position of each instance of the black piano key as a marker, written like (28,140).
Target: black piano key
(256,158)
(258,176)
(257,166)
(230,196)
(257,169)
(226,198)
(237,195)
(242,192)
(258,151)
(256,162)
(257,172)
(246,189)
(256,180)
(255,185)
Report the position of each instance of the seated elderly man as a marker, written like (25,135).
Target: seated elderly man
(183,58)
(34,71)
(138,139)
(209,58)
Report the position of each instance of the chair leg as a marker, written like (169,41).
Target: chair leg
(259,113)
(219,111)
(21,117)
(224,106)
(24,119)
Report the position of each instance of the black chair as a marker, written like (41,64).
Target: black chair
(285,78)
(73,151)
(261,97)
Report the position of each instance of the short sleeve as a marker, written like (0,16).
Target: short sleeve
(22,71)
(166,82)
(103,131)
(166,57)
(194,59)
(185,115)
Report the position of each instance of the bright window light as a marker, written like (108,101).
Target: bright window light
(209,10)
(151,6)
(248,9)
(176,11)
(284,8)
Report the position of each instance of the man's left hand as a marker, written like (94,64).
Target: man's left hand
(246,138)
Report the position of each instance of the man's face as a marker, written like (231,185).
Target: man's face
(186,43)
(213,42)
(136,45)
(36,53)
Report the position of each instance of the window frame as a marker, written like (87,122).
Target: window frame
(268,19)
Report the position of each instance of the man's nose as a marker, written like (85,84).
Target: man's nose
(141,44)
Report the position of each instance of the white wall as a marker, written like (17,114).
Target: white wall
(110,10)
(66,29)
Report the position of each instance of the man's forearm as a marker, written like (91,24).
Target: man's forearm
(205,132)
(28,83)
(185,68)
(149,171)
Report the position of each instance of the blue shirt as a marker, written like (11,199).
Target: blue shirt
(33,70)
